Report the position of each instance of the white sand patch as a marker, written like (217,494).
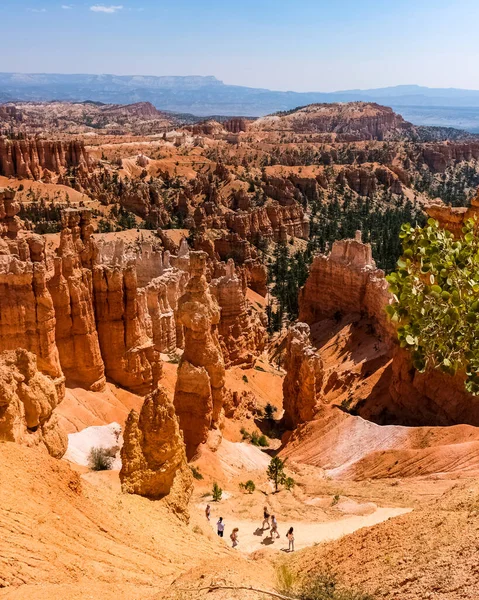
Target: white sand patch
(237,458)
(102,436)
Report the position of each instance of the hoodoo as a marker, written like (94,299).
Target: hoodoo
(199,392)
(153,454)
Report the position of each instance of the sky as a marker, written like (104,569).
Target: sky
(300,45)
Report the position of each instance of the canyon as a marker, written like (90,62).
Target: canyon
(187,301)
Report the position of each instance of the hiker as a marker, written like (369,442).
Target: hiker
(265,517)
(274,527)
(234,537)
(290,536)
(220,526)
(208,511)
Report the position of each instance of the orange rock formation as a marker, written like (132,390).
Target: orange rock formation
(153,454)
(199,392)
(242,334)
(27,401)
(304,377)
(345,281)
(34,158)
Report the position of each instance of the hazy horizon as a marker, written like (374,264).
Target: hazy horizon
(306,46)
(209,75)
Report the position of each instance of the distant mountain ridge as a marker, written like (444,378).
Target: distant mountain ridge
(208,95)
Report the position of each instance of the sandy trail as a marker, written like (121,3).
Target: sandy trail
(252,537)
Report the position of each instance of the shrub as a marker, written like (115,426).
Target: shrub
(263,441)
(325,586)
(259,440)
(289,483)
(436,303)
(335,500)
(196,472)
(249,486)
(245,379)
(320,586)
(245,434)
(269,411)
(100,459)
(286,579)
(217,492)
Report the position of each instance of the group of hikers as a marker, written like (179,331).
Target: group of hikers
(269,522)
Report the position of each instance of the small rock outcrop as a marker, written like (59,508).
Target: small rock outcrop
(27,401)
(199,392)
(304,377)
(153,454)
(346,281)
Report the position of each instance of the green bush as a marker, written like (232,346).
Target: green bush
(100,459)
(289,483)
(245,434)
(436,301)
(196,472)
(217,492)
(259,440)
(245,379)
(249,486)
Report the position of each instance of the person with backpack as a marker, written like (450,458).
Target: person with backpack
(234,537)
(220,526)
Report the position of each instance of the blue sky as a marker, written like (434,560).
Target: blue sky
(302,45)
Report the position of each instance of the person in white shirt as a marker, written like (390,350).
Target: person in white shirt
(274,527)
(220,526)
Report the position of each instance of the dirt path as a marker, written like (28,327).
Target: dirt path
(252,537)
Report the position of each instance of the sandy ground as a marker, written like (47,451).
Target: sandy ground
(252,537)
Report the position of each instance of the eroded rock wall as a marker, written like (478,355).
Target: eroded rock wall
(32,158)
(27,401)
(346,281)
(242,333)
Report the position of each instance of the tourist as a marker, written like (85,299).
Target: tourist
(220,527)
(208,511)
(290,536)
(265,517)
(274,527)
(234,537)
